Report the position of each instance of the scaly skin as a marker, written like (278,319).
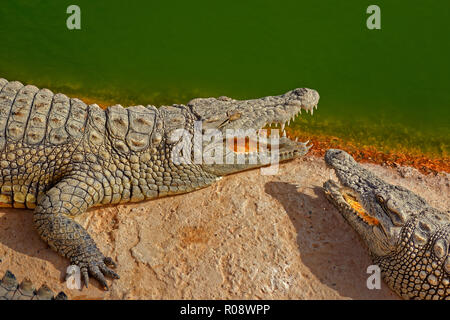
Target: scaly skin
(60,157)
(10,289)
(407,239)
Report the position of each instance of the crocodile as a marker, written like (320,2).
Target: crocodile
(10,289)
(407,238)
(60,156)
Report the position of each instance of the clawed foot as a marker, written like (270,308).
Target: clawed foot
(97,267)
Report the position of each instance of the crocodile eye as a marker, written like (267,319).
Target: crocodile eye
(380,198)
(234,116)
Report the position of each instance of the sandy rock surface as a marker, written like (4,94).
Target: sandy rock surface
(249,236)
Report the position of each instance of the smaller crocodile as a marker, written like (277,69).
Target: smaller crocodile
(407,238)
(10,289)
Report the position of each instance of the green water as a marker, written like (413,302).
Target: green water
(387,87)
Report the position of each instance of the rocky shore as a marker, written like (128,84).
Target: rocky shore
(249,236)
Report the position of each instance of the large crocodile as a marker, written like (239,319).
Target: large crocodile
(407,238)
(10,289)
(59,156)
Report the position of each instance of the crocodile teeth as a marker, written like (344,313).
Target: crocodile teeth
(296,139)
(282,126)
(289,122)
(284,133)
(312,111)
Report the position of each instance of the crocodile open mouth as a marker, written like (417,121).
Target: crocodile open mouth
(272,136)
(358,209)
(347,200)
(258,124)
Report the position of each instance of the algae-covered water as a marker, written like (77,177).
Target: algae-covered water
(388,88)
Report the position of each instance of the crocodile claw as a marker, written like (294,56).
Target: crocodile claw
(98,269)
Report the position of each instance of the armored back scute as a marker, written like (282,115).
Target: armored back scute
(10,289)
(130,128)
(34,116)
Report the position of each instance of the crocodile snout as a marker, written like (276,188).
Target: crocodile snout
(334,156)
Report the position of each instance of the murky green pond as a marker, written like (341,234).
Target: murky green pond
(387,87)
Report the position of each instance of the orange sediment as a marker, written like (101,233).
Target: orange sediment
(101,104)
(362,153)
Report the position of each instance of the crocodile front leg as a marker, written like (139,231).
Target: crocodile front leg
(52,218)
